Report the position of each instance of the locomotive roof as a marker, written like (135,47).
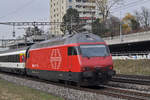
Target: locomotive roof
(69,39)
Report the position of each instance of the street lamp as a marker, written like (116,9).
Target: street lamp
(121,36)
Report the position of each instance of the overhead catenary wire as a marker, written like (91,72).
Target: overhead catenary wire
(126,4)
(129,5)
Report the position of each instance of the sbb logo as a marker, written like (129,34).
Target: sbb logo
(55,59)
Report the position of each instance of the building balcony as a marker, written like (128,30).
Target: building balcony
(85,3)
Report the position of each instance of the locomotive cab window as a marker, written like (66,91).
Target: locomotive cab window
(94,50)
(72,51)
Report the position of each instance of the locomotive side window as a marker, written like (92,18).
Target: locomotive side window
(72,51)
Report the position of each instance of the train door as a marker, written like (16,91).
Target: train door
(27,55)
(72,53)
(72,60)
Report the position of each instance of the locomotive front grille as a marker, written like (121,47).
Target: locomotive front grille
(98,75)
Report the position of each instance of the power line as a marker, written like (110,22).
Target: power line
(132,4)
(127,4)
(29,23)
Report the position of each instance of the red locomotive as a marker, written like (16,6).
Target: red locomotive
(80,58)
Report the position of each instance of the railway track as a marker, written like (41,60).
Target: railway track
(125,93)
(133,79)
(103,89)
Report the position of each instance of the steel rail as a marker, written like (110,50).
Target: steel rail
(134,79)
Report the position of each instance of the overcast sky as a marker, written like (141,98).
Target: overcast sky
(24,10)
(38,10)
(129,6)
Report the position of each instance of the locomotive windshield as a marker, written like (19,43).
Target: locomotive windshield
(94,50)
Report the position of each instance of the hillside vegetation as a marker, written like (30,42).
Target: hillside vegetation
(132,67)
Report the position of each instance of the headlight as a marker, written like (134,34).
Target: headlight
(110,67)
(86,68)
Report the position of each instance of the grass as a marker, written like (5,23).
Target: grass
(132,67)
(9,91)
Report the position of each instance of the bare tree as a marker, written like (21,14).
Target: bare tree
(138,16)
(104,7)
(113,23)
(145,17)
(30,31)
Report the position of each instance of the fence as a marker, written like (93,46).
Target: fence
(133,56)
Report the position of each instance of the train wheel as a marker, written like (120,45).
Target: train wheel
(66,83)
(78,84)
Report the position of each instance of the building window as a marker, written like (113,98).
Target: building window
(78,6)
(85,0)
(70,6)
(70,0)
(78,0)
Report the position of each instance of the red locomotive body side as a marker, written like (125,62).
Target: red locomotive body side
(53,59)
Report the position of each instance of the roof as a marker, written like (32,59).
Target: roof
(13,50)
(69,39)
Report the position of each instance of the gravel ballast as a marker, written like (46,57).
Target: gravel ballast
(67,93)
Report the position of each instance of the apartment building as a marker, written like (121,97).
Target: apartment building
(87,11)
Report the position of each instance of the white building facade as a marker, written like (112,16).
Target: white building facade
(87,11)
